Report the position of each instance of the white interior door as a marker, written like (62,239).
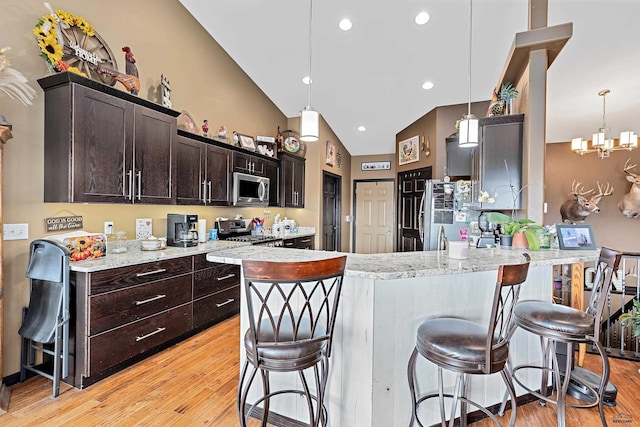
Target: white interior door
(374,217)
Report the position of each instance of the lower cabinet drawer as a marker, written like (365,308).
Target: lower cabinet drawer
(120,344)
(211,280)
(216,307)
(117,308)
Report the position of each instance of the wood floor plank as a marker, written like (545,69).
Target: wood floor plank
(194,384)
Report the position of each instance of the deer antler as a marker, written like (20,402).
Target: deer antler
(628,167)
(577,190)
(601,193)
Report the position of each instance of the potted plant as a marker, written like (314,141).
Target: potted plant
(510,227)
(632,318)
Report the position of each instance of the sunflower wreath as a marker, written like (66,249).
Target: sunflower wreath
(50,42)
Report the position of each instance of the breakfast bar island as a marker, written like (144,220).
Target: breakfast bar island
(384,299)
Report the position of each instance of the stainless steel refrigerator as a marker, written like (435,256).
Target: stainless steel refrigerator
(445,213)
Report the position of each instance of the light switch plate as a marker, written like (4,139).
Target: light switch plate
(15,231)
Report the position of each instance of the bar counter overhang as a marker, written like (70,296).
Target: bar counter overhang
(384,299)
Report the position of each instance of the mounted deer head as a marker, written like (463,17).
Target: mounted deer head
(579,207)
(630,203)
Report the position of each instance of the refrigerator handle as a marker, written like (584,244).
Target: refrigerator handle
(421,217)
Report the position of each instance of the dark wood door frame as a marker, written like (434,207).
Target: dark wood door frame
(355,205)
(338,209)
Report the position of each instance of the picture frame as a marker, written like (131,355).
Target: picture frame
(246,142)
(409,150)
(331,153)
(575,237)
(375,166)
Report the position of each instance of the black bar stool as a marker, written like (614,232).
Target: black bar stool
(465,347)
(292,311)
(555,323)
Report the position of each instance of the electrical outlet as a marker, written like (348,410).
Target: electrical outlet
(16,231)
(108,227)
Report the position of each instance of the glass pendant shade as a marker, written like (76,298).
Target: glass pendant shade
(309,127)
(598,138)
(468,131)
(579,144)
(628,139)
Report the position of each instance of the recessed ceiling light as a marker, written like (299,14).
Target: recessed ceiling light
(345,24)
(422,18)
(362,128)
(307,80)
(427,85)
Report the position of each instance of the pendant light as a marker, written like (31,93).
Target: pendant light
(468,127)
(309,129)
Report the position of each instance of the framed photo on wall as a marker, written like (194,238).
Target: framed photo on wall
(373,166)
(409,150)
(331,153)
(575,237)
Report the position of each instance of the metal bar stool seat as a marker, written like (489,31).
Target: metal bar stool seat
(467,348)
(291,310)
(556,323)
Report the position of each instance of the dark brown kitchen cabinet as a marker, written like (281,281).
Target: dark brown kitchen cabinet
(125,314)
(216,291)
(202,173)
(272,172)
(247,163)
(497,161)
(104,145)
(302,242)
(291,181)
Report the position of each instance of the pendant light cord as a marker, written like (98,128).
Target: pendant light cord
(310,79)
(470,37)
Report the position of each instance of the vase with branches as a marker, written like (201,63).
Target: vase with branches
(510,225)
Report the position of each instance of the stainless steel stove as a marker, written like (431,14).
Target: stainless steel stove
(239,230)
(257,240)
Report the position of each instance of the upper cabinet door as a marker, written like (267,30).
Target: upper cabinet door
(218,182)
(152,169)
(101,151)
(190,171)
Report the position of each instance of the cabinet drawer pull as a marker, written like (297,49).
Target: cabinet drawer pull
(305,241)
(157,297)
(143,337)
(160,270)
(230,300)
(228,276)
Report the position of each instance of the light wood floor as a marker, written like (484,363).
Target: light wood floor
(194,384)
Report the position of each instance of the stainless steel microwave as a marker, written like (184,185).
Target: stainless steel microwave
(250,190)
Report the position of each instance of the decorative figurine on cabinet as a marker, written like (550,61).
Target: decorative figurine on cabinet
(205,127)
(130,66)
(166,91)
(222,131)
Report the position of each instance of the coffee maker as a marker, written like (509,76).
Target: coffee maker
(489,232)
(182,230)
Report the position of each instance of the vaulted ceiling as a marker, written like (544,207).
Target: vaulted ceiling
(372,75)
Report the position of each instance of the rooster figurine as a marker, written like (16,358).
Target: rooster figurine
(496,107)
(130,66)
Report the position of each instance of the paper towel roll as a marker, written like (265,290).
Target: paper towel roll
(202,230)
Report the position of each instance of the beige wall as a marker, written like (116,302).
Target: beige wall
(562,166)
(437,125)
(205,81)
(312,213)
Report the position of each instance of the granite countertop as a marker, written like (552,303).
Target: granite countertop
(400,265)
(135,255)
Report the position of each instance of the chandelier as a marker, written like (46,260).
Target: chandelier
(602,143)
